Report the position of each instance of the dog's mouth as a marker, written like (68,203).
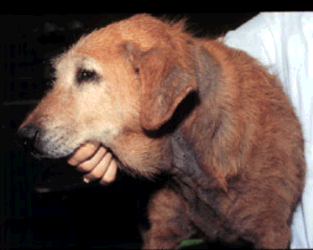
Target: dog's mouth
(52,152)
(60,177)
(42,148)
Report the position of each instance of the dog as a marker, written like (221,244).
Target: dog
(164,101)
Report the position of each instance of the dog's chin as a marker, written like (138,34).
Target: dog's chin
(51,151)
(39,154)
(56,151)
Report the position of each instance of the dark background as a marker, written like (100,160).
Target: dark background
(44,205)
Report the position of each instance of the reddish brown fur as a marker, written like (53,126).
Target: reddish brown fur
(243,131)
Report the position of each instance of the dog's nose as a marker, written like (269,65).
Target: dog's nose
(26,136)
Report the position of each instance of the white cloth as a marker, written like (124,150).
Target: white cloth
(284,43)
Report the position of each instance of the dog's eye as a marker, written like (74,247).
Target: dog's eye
(85,75)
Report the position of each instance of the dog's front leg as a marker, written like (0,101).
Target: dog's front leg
(169,221)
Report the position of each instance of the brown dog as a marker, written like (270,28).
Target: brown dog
(208,115)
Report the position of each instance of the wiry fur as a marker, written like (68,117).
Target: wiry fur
(154,80)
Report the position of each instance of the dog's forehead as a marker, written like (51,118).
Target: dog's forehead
(103,47)
(78,60)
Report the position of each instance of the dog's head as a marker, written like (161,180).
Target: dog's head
(112,86)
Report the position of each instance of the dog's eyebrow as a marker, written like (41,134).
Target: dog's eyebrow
(86,75)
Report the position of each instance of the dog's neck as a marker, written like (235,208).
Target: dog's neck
(185,160)
(186,166)
(204,122)
(192,183)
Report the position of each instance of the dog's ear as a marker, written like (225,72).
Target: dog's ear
(164,83)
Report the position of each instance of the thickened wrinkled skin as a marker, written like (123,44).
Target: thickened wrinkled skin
(210,116)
